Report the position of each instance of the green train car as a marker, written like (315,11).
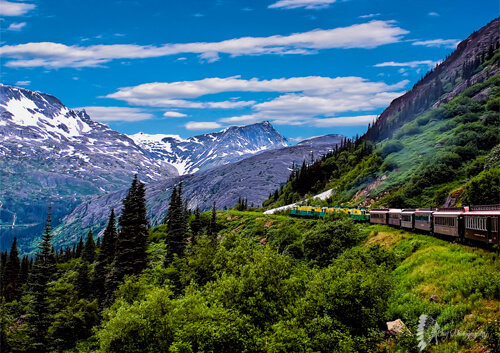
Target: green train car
(316,212)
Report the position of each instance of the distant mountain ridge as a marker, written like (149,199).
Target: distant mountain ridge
(203,152)
(252,178)
(52,155)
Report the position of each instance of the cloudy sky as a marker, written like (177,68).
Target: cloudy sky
(188,67)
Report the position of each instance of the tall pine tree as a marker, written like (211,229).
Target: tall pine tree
(177,226)
(88,253)
(43,270)
(104,260)
(130,254)
(12,270)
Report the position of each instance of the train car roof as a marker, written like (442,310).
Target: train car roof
(395,210)
(424,211)
(444,213)
(483,213)
(379,211)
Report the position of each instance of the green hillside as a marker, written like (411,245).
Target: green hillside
(274,284)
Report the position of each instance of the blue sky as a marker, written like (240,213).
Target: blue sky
(311,67)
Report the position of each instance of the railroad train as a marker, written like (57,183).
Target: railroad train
(474,224)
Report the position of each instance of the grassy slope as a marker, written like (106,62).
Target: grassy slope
(465,279)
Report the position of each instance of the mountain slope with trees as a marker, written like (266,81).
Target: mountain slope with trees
(436,145)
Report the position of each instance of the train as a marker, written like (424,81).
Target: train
(469,224)
(359,214)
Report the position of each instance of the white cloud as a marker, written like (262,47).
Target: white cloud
(155,93)
(302,99)
(174,115)
(198,14)
(370,15)
(8,8)
(55,55)
(202,125)
(105,114)
(22,83)
(412,64)
(447,43)
(16,27)
(345,121)
(434,14)
(307,4)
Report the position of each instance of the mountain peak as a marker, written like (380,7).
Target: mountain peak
(203,152)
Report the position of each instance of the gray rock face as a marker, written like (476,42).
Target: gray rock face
(253,178)
(204,152)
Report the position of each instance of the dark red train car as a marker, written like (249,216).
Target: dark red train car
(481,224)
(379,216)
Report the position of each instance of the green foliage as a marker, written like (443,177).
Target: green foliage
(322,244)
(391,147)
(484,189)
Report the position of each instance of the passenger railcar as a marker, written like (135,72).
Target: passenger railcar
(379,216)
(423,220)
(449,222)
(408,219)
(481,224)
(394,217)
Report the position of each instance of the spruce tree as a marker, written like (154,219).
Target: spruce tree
(88,253)
(82,284)
(25,268)
(104,260)
(213,223)
(12,269)
(177,226)
(130,254)
(43,270)
(196,223)
(79,248)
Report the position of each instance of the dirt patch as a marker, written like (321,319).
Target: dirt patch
(385,239)
(268,224)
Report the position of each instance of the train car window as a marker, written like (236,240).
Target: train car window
(494,224)
(476,223)
(445,221)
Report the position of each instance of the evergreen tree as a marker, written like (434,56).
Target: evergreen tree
(88,253)
(12,268)
(82,284)
(79,248)
(213,223)
(109,240)
(43,270)
(196,223)
(177,227)
(104,260)
(25,268)
(130,254)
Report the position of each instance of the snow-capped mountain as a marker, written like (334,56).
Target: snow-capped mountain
(203,152)
(50,154)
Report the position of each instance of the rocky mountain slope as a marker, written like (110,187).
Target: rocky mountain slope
(447,80)
(203,152)
(253,178)
(437,145)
